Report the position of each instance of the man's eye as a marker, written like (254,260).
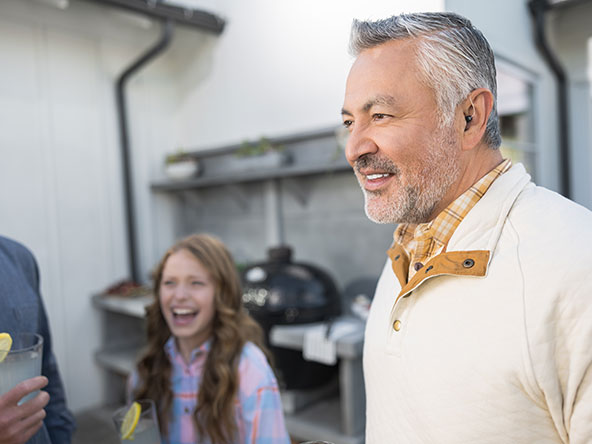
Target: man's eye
(196,283)
(379,116)
(347,123)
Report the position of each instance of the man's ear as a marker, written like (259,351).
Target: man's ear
(476,110)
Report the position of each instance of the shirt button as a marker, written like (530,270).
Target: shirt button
(468,263)
(397,325)
(417,266)
(187,410)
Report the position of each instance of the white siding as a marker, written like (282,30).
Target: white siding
(572,43)
(60,186)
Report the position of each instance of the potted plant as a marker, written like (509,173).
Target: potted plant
(181,165)
(262,154)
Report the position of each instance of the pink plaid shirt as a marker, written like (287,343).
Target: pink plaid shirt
(258,408)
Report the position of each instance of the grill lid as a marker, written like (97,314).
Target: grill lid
(284,292)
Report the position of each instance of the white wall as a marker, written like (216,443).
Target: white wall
(279,68)
(60,185)
(572,40)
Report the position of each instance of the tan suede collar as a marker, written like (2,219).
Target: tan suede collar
(456,263)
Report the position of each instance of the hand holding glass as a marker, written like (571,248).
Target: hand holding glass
(22,361)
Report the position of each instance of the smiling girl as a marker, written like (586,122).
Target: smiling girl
(205,366)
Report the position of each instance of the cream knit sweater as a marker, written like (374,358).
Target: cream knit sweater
(502,356)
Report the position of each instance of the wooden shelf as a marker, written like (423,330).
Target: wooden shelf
(121,360)
(306,154)
(251,176)
(123,338)
(131,306)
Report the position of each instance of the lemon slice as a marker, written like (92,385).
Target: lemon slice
(5,344)
(130,421)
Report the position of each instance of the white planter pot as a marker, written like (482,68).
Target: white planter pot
(271,159)
(182,170)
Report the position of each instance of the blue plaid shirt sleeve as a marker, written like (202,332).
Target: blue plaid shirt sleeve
(261,407)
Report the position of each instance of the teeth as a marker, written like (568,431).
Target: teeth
(376,176)
(183,311)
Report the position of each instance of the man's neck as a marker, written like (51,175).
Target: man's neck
(477,163)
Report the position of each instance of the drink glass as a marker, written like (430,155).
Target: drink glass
(146,431)
(316,442)
(23,361)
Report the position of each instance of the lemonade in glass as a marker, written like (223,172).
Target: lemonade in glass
(20,359)
(137,423)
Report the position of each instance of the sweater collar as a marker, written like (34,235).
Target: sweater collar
(471,246)
(482,226)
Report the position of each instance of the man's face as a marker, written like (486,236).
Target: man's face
(405,163)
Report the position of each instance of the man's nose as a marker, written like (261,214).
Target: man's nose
(359,144)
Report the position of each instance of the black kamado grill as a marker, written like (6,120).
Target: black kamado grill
(281,292)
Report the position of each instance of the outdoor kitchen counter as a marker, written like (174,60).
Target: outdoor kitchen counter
(349,343)
(340,420)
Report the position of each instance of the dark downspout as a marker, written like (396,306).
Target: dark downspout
(160,46)
(537,10)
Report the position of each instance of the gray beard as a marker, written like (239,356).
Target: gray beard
(415,202)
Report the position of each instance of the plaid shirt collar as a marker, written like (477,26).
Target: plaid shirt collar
(424,241)
(174,353)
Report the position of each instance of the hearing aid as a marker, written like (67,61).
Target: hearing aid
(469,118)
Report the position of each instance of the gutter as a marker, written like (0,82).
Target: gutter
(538,8)
(195,18)
(169,16)
(160,46)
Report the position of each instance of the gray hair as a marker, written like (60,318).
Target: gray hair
(453,56)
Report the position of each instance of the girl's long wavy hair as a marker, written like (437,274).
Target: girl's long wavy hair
(232,328)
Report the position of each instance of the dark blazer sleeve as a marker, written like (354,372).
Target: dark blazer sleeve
(23,310)
(59,420)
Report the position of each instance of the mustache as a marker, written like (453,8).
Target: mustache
(375,162)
